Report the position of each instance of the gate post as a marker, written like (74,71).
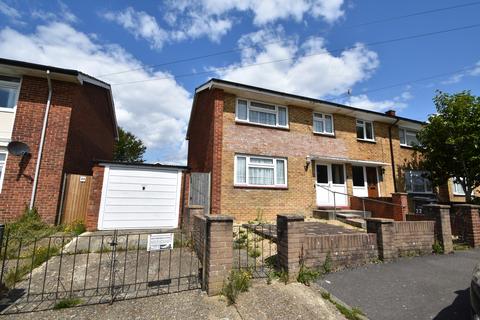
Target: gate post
(218,252)
(290,236)
(471,220)
(384,229)
(443,228)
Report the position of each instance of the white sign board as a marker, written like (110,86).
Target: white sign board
(160,241)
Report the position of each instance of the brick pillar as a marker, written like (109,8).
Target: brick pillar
(290,237)
(218,258)
(401,210)
(385,231)
(94,197)
(443,229)
(472,223)
(187,221)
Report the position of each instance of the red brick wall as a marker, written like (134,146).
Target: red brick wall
(384,210)
(205,141)
(94,198)
(16,193)
(80,128)
(91,134)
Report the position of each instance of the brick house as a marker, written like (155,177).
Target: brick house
(80,126)
(271,152)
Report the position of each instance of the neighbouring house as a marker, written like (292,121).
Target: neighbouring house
(270,152)
(80,126)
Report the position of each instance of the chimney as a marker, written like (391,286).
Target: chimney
(390,113)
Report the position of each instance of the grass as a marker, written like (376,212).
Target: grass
(350,314)
(238,281)
(328,263)
(307,275)
(67,303)
(437,248)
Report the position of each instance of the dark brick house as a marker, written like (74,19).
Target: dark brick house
(80,126)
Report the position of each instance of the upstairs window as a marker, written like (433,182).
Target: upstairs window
(408,138)
(260,171)
(3,158)
(322,123)
(457,188)
(261,113)
(9,88)
(417,182)
(365,130)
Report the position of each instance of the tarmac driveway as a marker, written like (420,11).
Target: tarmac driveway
(428,287)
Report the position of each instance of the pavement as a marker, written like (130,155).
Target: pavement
(427,287)
(262,302)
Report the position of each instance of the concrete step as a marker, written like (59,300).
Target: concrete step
(329,214)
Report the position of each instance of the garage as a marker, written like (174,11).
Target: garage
(140,196)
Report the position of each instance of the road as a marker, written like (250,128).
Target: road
(428,287)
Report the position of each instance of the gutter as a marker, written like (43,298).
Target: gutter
(42,141)
(391,154)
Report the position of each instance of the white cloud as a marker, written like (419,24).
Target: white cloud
(141,25)
(456,78)
(266,11)
(9,11)
(362,101)
(63,14)
(156,111)
(306,69)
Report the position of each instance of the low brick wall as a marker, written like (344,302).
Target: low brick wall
(198,229)
(465,223)
(414,237)
(346,250)
(418,217)
(396,207)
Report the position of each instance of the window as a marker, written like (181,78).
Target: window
(358,176)
(408,137)
(338,176)
(322,123)
(322,173)
(3,158)
(457,188)
(260,171)
(365,130)
(9,88)
(261,113)
(416,182)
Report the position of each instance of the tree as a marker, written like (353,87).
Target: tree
(449,144)
(128,148)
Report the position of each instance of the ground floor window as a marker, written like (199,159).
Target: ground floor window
(260,171)
(3,158)
(417,182)
(358,176)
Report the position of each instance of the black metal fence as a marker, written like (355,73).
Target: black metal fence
(254,248)
(97,268)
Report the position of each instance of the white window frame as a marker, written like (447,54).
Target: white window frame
(405,132)
(456,187)
(411,183)
(322,119)
(249,107)
(260,165)
(12,85)
(4,168)
(363,124)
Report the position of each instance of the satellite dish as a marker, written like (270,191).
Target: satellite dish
(18,148)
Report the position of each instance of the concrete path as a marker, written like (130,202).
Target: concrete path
(262,302)
(428,287)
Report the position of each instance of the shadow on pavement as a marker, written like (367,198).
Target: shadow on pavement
(459,309)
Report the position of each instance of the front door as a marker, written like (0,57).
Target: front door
(330,178)
(372,182)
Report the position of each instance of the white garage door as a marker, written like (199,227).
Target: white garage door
(140,198)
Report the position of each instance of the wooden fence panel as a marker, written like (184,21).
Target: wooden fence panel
(77,189)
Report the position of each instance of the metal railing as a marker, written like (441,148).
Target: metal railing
(362,198)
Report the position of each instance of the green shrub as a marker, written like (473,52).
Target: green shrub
(328,263)
(307,275)
(254,253)
(283,276)
(437,248)
(238,281)
(67,303)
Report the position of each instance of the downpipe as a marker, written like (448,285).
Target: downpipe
(42,142)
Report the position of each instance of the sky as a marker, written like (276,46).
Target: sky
(371,54)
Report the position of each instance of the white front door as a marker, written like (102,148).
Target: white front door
(331,188)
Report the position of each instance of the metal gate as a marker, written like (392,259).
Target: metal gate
(200,190)
(103,268)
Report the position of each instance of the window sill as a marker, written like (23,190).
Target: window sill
(458,194)
(246,123)
(329,135)
(366,140)
(9,110)
(239,186)
(406,146)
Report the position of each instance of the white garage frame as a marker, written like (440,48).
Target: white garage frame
(106,179)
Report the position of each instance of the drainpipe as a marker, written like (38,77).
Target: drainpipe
(391,154)
(42,141)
